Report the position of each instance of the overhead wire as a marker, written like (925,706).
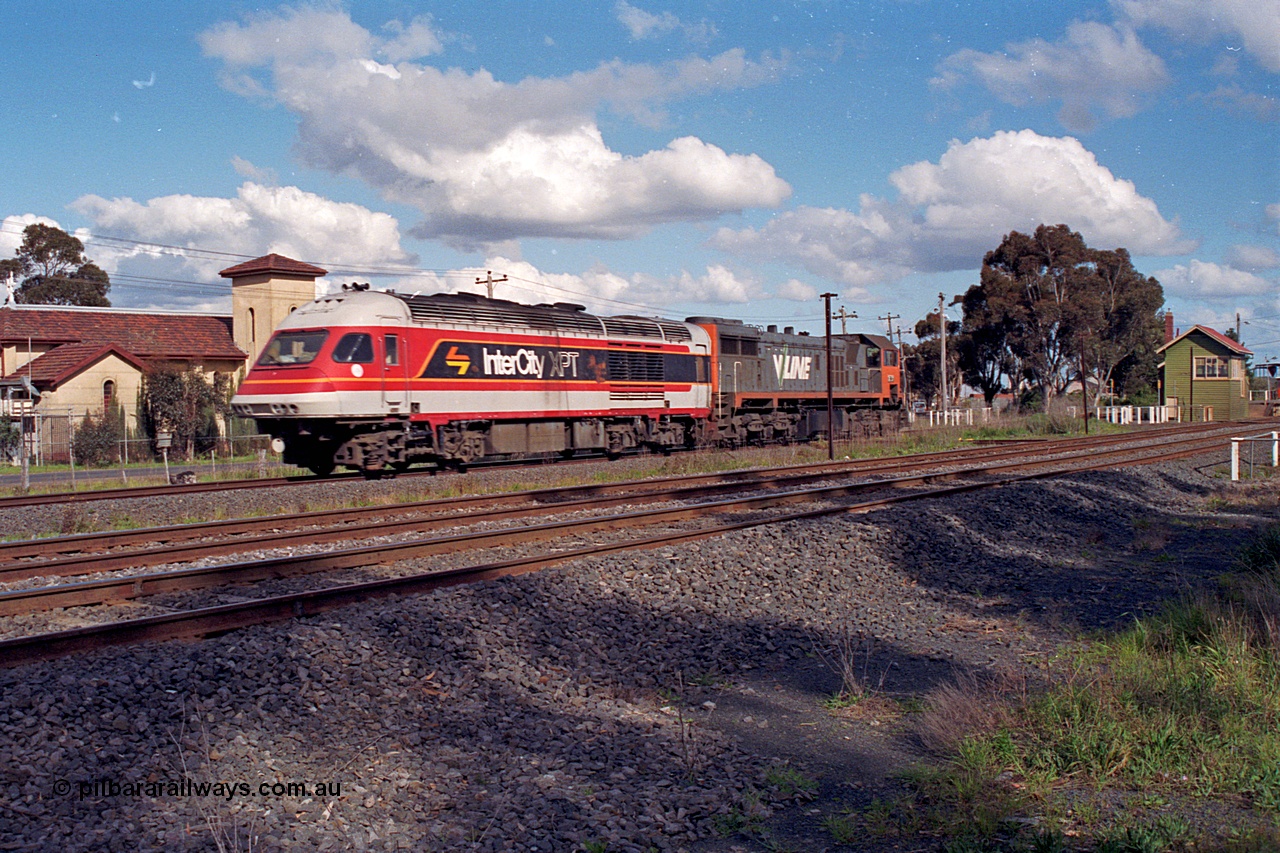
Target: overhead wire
(133,281)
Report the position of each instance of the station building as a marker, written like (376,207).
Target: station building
(59,363)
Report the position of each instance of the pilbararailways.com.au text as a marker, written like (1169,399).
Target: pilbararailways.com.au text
(192,788)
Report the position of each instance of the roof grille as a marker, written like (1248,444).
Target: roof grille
(468,309)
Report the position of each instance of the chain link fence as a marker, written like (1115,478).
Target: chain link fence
(66,447)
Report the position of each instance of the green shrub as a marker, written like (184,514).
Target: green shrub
(97,440)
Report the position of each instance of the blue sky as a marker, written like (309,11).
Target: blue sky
(670,158)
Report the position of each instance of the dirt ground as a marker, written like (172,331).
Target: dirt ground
(856,757)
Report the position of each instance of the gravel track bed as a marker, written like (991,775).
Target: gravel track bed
(543,712)
(58,619)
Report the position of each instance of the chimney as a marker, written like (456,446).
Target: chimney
(1168,326)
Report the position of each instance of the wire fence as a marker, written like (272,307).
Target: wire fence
(62,448)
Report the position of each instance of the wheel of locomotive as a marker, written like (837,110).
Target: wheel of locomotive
(321,467)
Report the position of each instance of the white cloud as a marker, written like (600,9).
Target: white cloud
(414,41)
(1250,257)
(643,25)
(11,231)
(1202,280)
(258,220)
(951,212)
(1253,24)
(598,288)
(486,160)
(248,170)
(288,37)
(797,291)
(720,285)
(1095,68)
(1235,98)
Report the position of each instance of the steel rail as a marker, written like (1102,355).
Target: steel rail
(183,543)
(136,586)
(21,501)
(19,550)
(211,621)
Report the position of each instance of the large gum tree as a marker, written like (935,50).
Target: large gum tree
(1049,309)
(52,269)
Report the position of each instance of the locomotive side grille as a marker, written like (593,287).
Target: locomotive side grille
(635,366)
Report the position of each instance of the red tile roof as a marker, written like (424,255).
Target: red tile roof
(273,263)
(146,336)
(58,365)
(1235,347)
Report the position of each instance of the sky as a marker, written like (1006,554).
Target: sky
(714,158)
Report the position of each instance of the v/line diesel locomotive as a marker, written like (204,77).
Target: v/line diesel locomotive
(377,381)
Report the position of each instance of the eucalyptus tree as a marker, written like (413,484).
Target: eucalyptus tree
(53,270)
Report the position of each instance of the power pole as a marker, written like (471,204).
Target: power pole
(843,315)
(902,365)
(888,319)
(942,322)
(831,408)
(489,281)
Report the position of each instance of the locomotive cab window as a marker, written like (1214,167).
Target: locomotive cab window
(355,348)
(873,356)
(292,348)
(391,343)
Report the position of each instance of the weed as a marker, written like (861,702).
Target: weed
(1135,839)
(843,828)
(595,847)
(790,783)
(1183,703)
(848,655)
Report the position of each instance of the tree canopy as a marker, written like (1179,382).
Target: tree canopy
(1048,309)
(53,270)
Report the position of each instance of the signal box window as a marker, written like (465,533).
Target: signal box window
(292,348)
(1211,367)
(355,348)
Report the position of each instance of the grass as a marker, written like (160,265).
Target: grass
(1148,739)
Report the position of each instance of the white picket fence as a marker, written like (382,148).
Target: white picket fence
(1139,414)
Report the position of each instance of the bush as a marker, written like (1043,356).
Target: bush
(97,440)
(10,440)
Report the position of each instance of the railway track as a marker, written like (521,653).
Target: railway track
(768,509)
(83,554)
(125,492)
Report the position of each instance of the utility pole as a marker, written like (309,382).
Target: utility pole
(902,366)
(888,319)
(831,408)
(1237,327)
(942,323)
(843,315)
(489,281)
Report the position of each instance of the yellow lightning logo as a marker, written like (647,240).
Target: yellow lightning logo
(457,359)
